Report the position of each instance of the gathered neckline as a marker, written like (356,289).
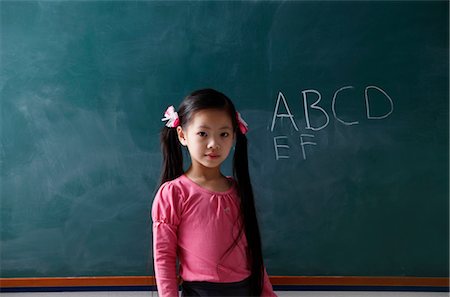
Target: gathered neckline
(208,190)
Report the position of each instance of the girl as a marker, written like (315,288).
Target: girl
(206,219)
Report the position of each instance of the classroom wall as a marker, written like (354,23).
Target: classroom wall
(357,187)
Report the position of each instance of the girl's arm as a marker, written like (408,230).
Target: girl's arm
(165,255)
(166,217)
(267,290)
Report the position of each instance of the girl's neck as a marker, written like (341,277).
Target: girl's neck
(205,174)
(212,180)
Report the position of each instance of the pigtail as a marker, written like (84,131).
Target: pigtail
(248,212)
(172,166)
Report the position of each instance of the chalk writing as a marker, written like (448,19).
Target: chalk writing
(314,106)
(333,108)
(280,142)
(366,95)
(303,143)
(275,142)
(282,115)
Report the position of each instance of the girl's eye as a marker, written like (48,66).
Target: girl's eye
(225,134)
(201,134)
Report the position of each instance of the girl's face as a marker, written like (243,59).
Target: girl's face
(209,137)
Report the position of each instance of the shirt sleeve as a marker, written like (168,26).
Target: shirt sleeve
(267,290)
(166,211)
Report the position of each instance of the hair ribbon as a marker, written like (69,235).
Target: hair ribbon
(171,116)
(243,126)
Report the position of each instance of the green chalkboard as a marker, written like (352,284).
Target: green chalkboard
(347,104)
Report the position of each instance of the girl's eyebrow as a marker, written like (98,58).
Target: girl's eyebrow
(207,127)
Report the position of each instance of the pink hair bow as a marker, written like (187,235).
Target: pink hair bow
(171,116)
(243,126)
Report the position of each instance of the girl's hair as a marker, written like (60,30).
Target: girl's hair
(173,168)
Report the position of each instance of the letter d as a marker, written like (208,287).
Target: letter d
(366,94)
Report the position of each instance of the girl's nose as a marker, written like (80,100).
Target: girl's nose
(213,144)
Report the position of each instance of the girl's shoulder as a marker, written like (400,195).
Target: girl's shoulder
(169,195)
(168,203)
(175,185)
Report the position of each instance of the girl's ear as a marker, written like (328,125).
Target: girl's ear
(181,136)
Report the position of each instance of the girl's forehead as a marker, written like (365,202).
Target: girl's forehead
(211,117)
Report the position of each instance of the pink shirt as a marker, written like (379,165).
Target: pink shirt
(198,225)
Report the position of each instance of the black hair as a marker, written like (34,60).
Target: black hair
(173,167)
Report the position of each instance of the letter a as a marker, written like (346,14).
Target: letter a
(282,115)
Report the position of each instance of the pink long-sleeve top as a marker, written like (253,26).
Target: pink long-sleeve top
(198,226)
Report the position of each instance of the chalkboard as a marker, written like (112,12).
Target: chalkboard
(347,104)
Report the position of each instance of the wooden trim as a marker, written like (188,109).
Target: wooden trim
(359,281)
(118,281)
(97,281)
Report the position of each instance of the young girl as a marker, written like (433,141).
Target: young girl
(202,217)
